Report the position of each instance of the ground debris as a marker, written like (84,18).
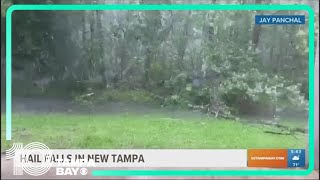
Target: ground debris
(285,130)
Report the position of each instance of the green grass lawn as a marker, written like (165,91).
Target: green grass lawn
(141,131)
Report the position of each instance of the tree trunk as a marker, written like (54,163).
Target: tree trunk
(99,34)
(147,64)
(92,25)
(182,49)
(256,36)
(83,19)
(101,51)
(256,31)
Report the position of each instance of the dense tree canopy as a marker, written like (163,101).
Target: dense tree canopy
(217,61)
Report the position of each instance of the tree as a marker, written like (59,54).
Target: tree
(219,60)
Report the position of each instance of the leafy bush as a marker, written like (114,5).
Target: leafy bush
(262,89)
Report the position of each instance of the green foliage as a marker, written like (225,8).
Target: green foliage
(261,89)
(217,60)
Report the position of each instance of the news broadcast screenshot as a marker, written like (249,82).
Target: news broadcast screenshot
(159,89)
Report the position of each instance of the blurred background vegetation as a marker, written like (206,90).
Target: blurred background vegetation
(219,62)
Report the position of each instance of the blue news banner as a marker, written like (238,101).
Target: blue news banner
(280,19)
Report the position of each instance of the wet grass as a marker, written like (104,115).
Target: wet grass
(128,130)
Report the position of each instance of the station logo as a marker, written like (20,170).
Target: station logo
(33,159)
(36,159)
